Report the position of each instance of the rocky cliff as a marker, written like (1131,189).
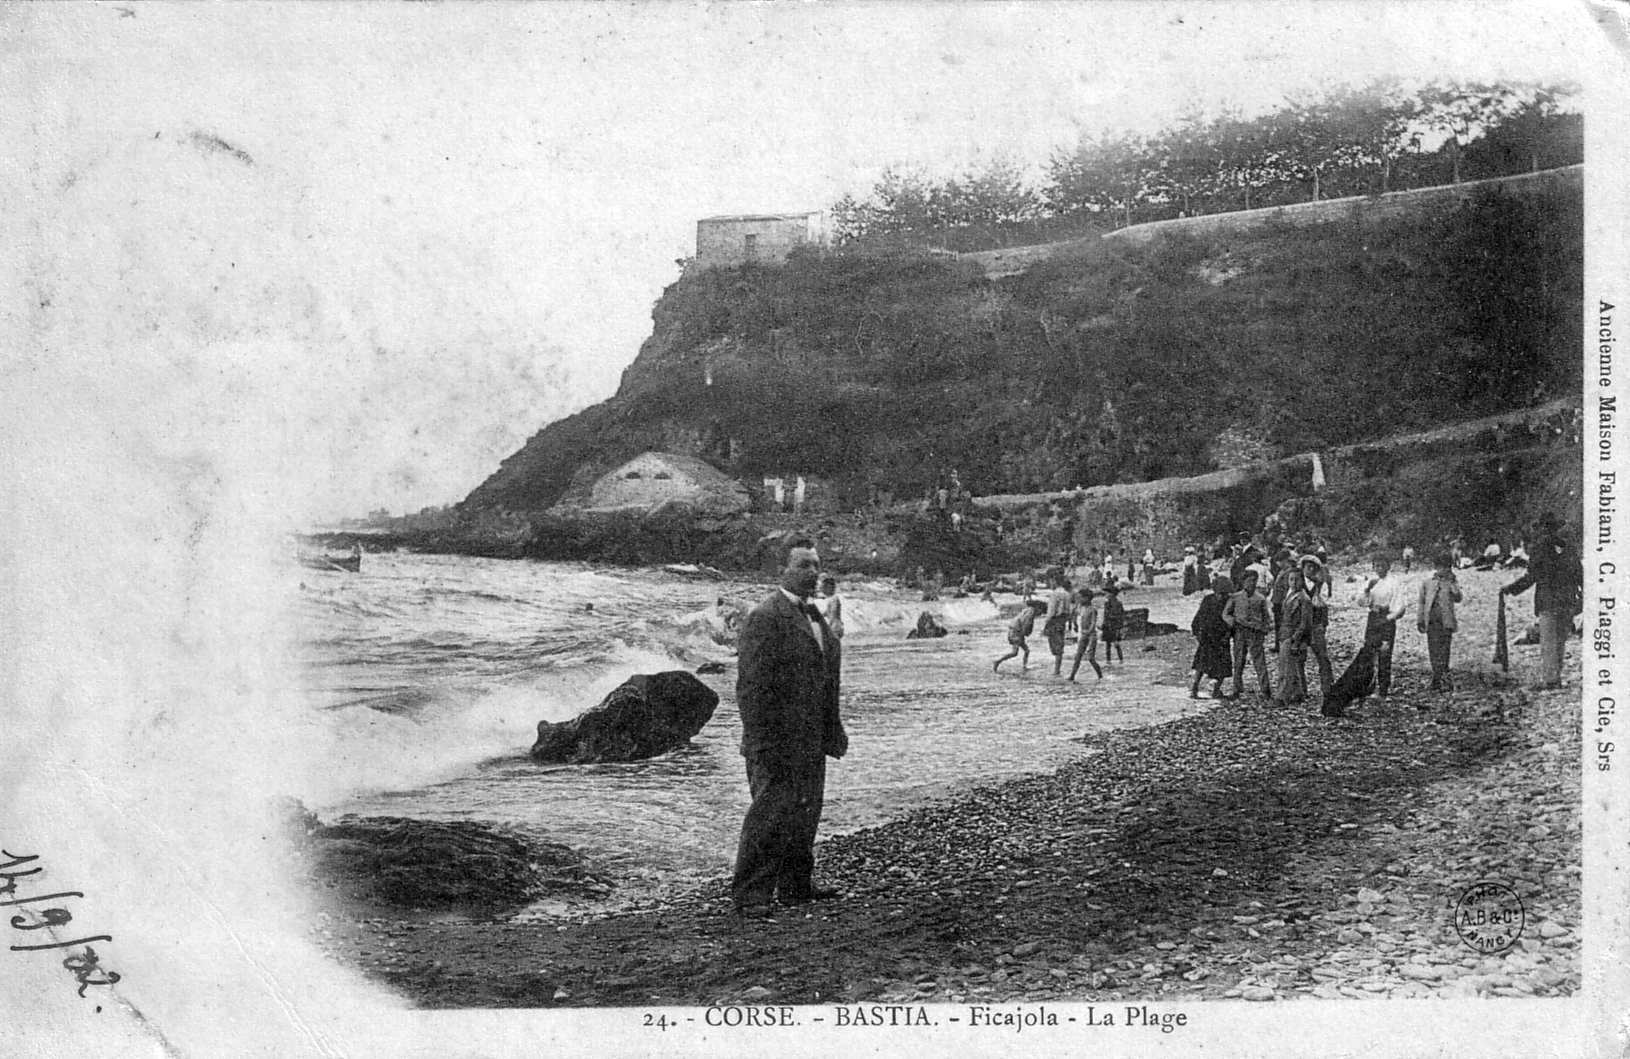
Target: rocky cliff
(1122,361)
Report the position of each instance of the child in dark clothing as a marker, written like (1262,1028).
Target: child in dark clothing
(1021,627)
(1114,622)
(1213,656)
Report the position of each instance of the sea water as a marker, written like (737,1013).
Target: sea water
(426,677)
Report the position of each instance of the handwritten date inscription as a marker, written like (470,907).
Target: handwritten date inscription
(85,965)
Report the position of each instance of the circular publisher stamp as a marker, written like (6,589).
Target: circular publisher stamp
(1489,917)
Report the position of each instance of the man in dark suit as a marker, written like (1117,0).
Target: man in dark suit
(788,663)
(1557,578)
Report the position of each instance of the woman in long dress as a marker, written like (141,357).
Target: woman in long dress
(1213,656)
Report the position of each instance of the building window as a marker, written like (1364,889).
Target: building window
(752,247)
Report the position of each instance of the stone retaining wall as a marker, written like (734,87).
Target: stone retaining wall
(1415,203)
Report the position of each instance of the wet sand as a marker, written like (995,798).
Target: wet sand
(1239,850)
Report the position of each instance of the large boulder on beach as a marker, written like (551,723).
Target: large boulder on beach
(646,715)
(928,628)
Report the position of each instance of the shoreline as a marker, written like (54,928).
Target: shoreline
(1247,851)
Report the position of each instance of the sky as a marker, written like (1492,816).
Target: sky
(453,219)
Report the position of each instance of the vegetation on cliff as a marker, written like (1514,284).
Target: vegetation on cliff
(876,371)
(1343,141)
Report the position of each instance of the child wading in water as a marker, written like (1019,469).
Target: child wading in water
(1022,627)
(1086,616)
(1114,621)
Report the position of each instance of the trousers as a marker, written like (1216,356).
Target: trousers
(1320,648)
(1087,647)
(1380,632)
(1249,642)
(1438,640)
(776,853)
(1553,632)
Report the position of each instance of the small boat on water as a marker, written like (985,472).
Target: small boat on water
(350,563)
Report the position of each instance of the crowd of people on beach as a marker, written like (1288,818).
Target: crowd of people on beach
(1267,595)
(1068,608)
(1266,602)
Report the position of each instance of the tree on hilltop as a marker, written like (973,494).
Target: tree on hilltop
(1338,140)
(1537,133)
(1461,110)
(1105,174)
(905,204)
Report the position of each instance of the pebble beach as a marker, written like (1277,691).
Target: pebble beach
(1243,851)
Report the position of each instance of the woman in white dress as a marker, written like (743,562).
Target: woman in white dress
(830,604)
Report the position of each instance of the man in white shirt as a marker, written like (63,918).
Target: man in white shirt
(1386,601)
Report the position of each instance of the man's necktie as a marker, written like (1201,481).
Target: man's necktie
(813,613)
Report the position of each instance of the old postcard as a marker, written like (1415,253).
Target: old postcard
(711,529)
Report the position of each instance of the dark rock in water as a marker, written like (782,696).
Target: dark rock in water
(1138,626)
(928,628)
(436,864)
(710,667)
(645,716)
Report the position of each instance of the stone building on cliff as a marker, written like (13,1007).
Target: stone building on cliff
(656,479)
(757,238)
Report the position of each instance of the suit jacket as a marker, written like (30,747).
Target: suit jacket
(1447,594)
(1247,611)
(1296,624)
(786,686)
(1554,570)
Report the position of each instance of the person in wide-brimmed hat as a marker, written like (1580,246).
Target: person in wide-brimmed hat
(1192,582)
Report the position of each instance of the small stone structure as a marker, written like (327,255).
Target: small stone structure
(653,479)
(756,238)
